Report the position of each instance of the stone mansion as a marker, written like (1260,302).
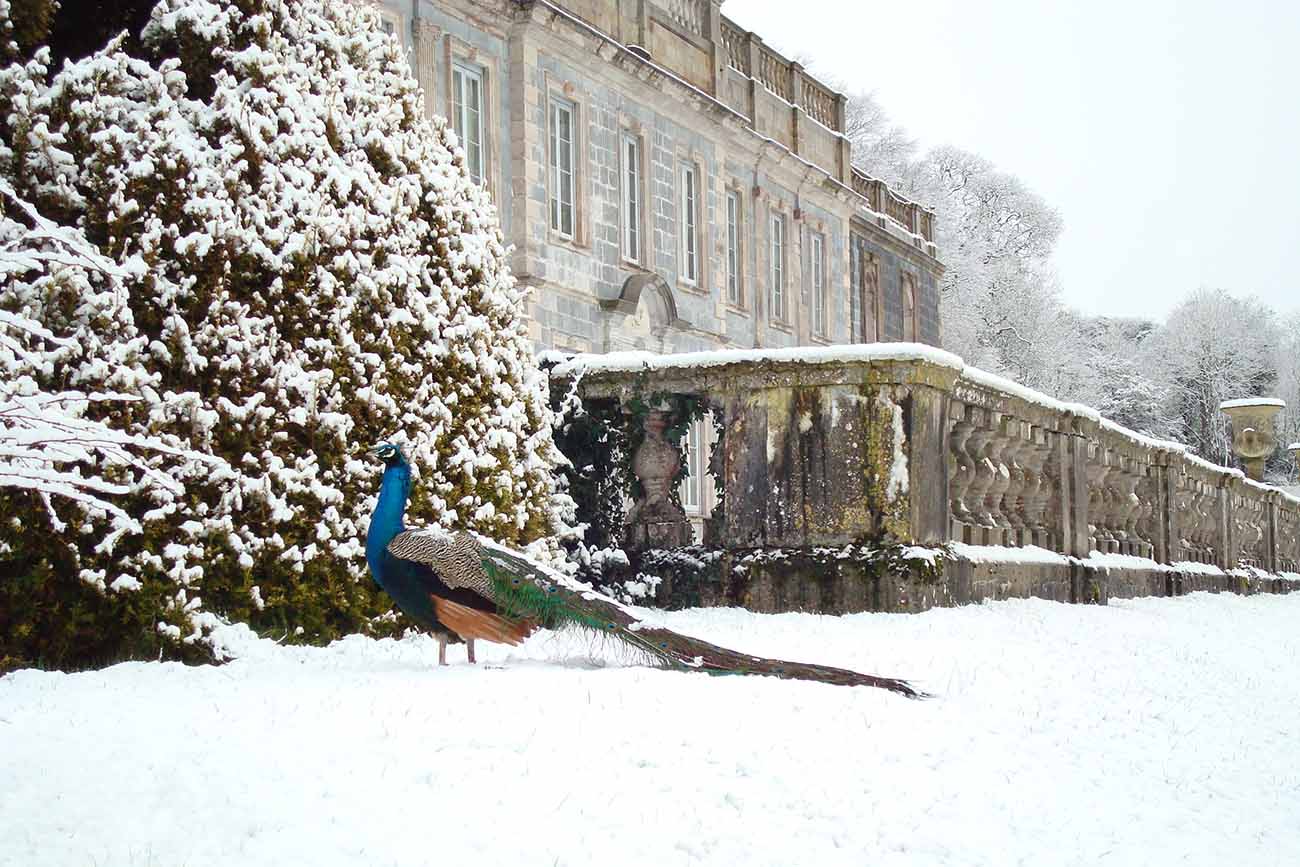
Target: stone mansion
(667,180)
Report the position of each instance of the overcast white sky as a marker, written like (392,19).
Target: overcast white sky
(1166,132)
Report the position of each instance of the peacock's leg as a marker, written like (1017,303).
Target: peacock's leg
(442,651)
(469,643)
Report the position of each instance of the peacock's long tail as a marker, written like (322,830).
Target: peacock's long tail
(529,591)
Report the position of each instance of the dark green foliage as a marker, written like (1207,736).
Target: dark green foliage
(82,27)
(350,287)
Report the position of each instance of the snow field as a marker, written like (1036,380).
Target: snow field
(1152,731)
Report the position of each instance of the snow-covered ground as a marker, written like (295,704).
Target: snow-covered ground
(1149,732)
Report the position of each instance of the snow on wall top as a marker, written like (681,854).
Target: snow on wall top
(636,361)
(570,366)
(1253,401)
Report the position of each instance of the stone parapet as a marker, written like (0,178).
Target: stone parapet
(903,445)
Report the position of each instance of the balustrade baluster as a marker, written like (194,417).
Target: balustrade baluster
(976,446)
(1034,457)
(1144,525)
(1013,501)
(994,500)
(1096,472)
(961,470)
(1054,496)
(1129,507)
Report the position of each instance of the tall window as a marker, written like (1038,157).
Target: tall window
(631,150)
(689,226)
(562,177)
(467,110)
(909,307)
(817,250)
(865,294)
(734,295)
(694,481)
(776,267)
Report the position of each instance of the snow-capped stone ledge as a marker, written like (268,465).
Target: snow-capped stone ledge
(1242,403)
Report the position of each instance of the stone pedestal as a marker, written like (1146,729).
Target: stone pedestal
(655,520)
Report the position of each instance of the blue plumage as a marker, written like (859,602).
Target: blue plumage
(410,584)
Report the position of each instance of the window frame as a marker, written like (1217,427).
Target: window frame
(631,198)
(865,269)
(691,490)
(688,224)
(817,283)
(907,286)
(735,249)
(555,202)
(464,73)
(778,301)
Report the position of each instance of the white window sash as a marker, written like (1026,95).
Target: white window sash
(689,225)
(692,484)
(733,248)
(818,285)
(562,177)
(777,270)
(467,94)
(631,199)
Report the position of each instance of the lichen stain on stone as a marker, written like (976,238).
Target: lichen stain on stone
(880,449)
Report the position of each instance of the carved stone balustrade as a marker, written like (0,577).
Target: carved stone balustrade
(894,444)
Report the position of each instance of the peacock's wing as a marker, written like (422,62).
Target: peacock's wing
(530,589)
(461,592)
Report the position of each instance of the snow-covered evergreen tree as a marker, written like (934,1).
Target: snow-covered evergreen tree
(303,268)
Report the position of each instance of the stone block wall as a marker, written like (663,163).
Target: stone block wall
(664,71)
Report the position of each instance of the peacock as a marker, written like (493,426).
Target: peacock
(464,587)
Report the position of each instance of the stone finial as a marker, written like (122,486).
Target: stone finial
(1254,436)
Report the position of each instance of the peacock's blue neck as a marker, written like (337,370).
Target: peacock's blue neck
(386,522)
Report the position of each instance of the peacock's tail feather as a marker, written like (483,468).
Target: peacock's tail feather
(527,591)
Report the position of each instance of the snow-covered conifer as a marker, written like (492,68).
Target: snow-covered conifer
(303,268)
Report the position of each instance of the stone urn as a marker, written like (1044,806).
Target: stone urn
(1254,436)
(655,520)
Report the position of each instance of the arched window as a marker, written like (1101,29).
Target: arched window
(909,307)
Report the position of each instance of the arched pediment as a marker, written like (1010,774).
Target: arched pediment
(640,285)
(642,315)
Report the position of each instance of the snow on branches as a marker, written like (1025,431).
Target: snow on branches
(300,267)
(46,438)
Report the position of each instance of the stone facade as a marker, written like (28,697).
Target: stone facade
(721,127)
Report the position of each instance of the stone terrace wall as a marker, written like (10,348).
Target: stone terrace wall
(903,445)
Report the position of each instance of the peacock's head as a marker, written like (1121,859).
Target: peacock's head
(389,453)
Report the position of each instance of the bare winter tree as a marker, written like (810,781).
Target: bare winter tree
(1213,348)
(1002,307)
